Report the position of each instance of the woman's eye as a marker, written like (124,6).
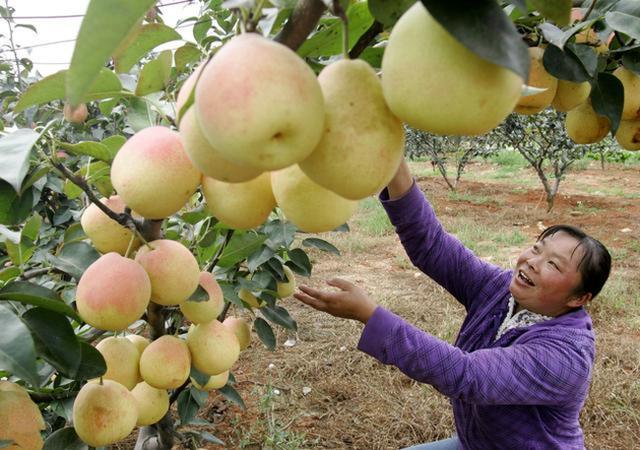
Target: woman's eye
(553,264)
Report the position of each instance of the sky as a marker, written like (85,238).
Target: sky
(56,55)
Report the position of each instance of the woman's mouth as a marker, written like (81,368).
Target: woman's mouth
(524,278)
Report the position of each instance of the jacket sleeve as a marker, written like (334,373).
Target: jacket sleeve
(435,252)
(546,370)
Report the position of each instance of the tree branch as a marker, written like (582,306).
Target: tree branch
(367,38)
(302,21)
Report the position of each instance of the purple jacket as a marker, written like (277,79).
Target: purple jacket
(523,391)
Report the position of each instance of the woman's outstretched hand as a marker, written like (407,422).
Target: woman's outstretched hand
(350,302)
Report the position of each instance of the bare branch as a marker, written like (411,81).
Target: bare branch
(302,21)
(367,38)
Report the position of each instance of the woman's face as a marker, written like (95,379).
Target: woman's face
(546,276)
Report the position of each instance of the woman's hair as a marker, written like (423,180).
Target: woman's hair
(595,265)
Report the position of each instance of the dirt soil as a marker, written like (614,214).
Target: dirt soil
(330,395)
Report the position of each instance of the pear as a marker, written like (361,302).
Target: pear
(434,83)
(202,312)
(20,418)
(286,288)
(152,403)
(311,207)
(214,348)
(240,328)
(106,234)
(104,413)
(240,205)
(631,84)
(215,382)
(122,358)
(628,134)
(363,142)
(584,126)
(259,104)
(569,95)
(539,78)
(247,296)
(166,363)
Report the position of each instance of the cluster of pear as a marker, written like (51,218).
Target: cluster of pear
(20,418)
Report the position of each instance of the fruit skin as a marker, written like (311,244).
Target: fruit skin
(215,382)
(540,78)
(240,205)
(250,299)
(631,84)
(152,403)
(214,348)
(363,142)
(166,363)
(122,358)
(240,328)
(202,312)
(20,418)
(152,173)
(113,292)
(104,413)
(172,269)
(77,115)
(308,205)
(570,95)
(584,126)
(432,82)
(628,134)
(106,234)
(259,104)
(140,342)
(285,289)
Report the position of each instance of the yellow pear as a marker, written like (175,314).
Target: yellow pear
(153,174)
(628,134)
(123,360)
(206,158)
(631,84)
(584,126)
(215,382)
(363,142)
(104,413)
(308,205)
(434,83)
(590,37)
(20,418)
(240,205)
(75,115)
(201,312)
(166,363)
(113,292)
(570,95)
(106,234)
(172,269)
(247,296)
(214,348)
(152,403)
(140,342)
(539,78)
(241,329)
(285,289)
(259,104)
(186,88)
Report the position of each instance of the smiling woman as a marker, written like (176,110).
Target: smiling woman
(519,371)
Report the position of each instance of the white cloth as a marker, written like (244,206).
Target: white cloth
(521,319)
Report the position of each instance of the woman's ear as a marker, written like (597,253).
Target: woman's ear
(580,300)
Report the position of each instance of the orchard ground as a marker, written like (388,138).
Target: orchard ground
(323,393)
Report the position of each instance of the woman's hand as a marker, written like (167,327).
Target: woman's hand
(350,302)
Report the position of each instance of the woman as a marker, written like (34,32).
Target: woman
(520,369)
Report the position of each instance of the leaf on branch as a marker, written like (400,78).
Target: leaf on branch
(558,11)
(321,244)
(17,351)
(74,258)
(199,295)
(65,438)
(232,395)
(607,98)
(15,149)
(144,39)
(265,333)
(624,23)
(32,294)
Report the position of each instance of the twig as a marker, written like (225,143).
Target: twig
(366,39)
(590,10)
(302,21)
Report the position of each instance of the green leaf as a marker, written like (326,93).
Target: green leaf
(155,74)
(185,55)
(230,293)
(558,11)
(232,395)
(71,190)
(388,12)
(14,208)
(187,407)
(257,258)
(199,377)
(32,294)
(300,262)
(32,227)
(12,236)
(74,233)
(113,143)
(565,64)
(607,98)
(20,253)
(279,315)
(92,364)
(55,340)
(484,29)
(328,41)
(141,42)
(94,149)
(9,273)
(624,23)
(105,26)
(631,60)
(64,438)
(15,149)
(75,258)
(280,233)
(17,352)
(199,295)
(239,247)
(321,244)
(265,333)
(53,88)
